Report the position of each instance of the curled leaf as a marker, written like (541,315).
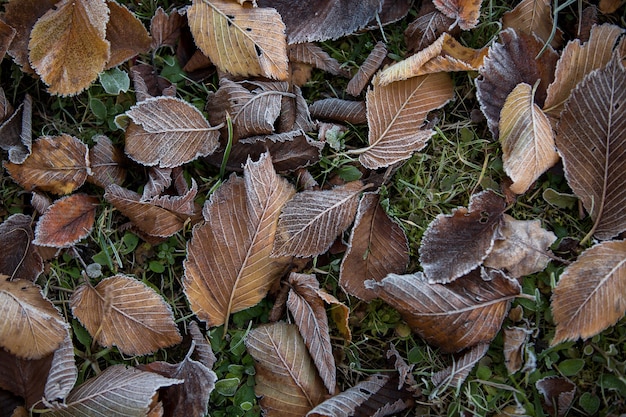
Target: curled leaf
(371,64)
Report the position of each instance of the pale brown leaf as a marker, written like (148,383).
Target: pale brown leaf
(309,315)
(534,16)
(107,163)
(465,12)
(20,259)
(377,247)
(286,377)
(168,132)
(238,235)
(515,340)
(16,132)
(591,138)
(311,221)
(30,326)
(527,139)
(238,40)
(125,312)
(127,35)
(63,373)
(341,110)
(67,45)
(339,313)
(309,53)
(454,375)
(67,221)
(58,164)
(454,316)
(589,296)
(371,64)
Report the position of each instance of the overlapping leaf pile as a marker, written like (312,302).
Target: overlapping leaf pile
(257,231)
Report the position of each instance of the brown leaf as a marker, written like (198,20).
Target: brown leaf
(24,378)
(63,373)
(377,246)
(107,163)
(6,109)
(126,34)
(309,53)
(522,247)
(311,221)
(395,111)
(515,340)
(465,12)
(147,83)
(390,12)
(558,394)
(68,47)
(589,296)
(20,259)
(371,64)
(455,244)
(30,326)
(240,41)
(510,62)
(125,312)
(57,164)
(453,376)
(286,377)
(533,16)
(591,137)
(7,34)
(309,315)
(118,391)
(16,132)
(238,235)
(577,61)
(321,20)
(610,6)
(67,221)
(11,405)
(454,316)
(527,139)
(339,313)
(168,132)
(203,352)
(341,110)
(429,25)
(165,29)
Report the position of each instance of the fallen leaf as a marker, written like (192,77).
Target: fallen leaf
(165,29)
(147,83)
(371,64)
(68,47)
(510,62)
(168,132)
(20,259)
(58,164)
(240,41)
(394,112)
(610,6)
(286,377)
(24,378)
(63,373)
(465,12)
(377,247)
(309,53)
(7,34)
(522,247)
(515,341)
(16,132)
(11,405)
(118,391)
(429,25)
(454,375)
(390,12)
(341,110)
(204,354)
(454,316)
(591,136)
(455,244)
(577,61)
(589,296)
(125,312)
(67,221)
(321,20)
(107,163)
(339,313)
(558,394)
(309,314)
(238,235)
(534,17)
(127,35)
(405,372)
(527,139)
(30,326)
(310,222)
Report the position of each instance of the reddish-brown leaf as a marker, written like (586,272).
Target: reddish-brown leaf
(107,163)
(20,259)
(341,110)
(454,375)
(67,221)
(366,71)
(24,378)
(126,33)
(464,12)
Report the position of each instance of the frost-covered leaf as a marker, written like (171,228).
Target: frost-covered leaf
(63,373)
(429,25)
(515,341)
(533,16)
(366,71)
(465,12)
(165,29)
(107,163)
(454,375)
(127,35)
(16,132)
(340,110)
(20,259)
(67,221)
(558,394)
(309,53)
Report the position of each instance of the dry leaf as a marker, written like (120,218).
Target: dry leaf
(311,221)
(465,12)
(558,394)
(203,352)
(20,259)
(377,247)
(107,163)
(67,221)
(610,6)
(168,132)
(340,110)
(238,235)
(455,244)
(454,375)
(515,340)
(309,315)
(147,83)
(24,378)
(238,40)
(125,312)
(118,391)
(16,132)
(30,326)
(510,62)
(309,53)
(522,247)
(371,64)
(63,373)
(11,405)
(429,25)
(286,377)
(527,139)
(58,164)
(165,29)
(591,137)
(68,47)
(339,313)
(7,34)
(394,113)
(454,316)
(533,16)
(390,12)
(589,296)
(127,35)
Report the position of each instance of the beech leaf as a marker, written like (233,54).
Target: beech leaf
(238,235)
(168,132)
(127,35)
(589,296)
(238,40)
(558,394)
(20,259)
(309,53)
(534,16)
(454,316)
(125,312)
(24,378)
(465,12)
(67,45)
(286,377)
(371,64)
(515,340)
(340,110)
(107,163)
(429,25)
(165,29)
(67,221)
(454,375)
(63,373)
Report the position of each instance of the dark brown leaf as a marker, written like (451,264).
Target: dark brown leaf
(7,34)
(454,375)
(558,394)
(515,340)
(346,111)
(465,12)
(24,378)
(203,353)
(429,25)
(20,259)
(67,221)
(366,71)
(309,53)
(391,11)
(455,244)
(107,163)
(15,133)
(126,33)
(148,83)
(165,29)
